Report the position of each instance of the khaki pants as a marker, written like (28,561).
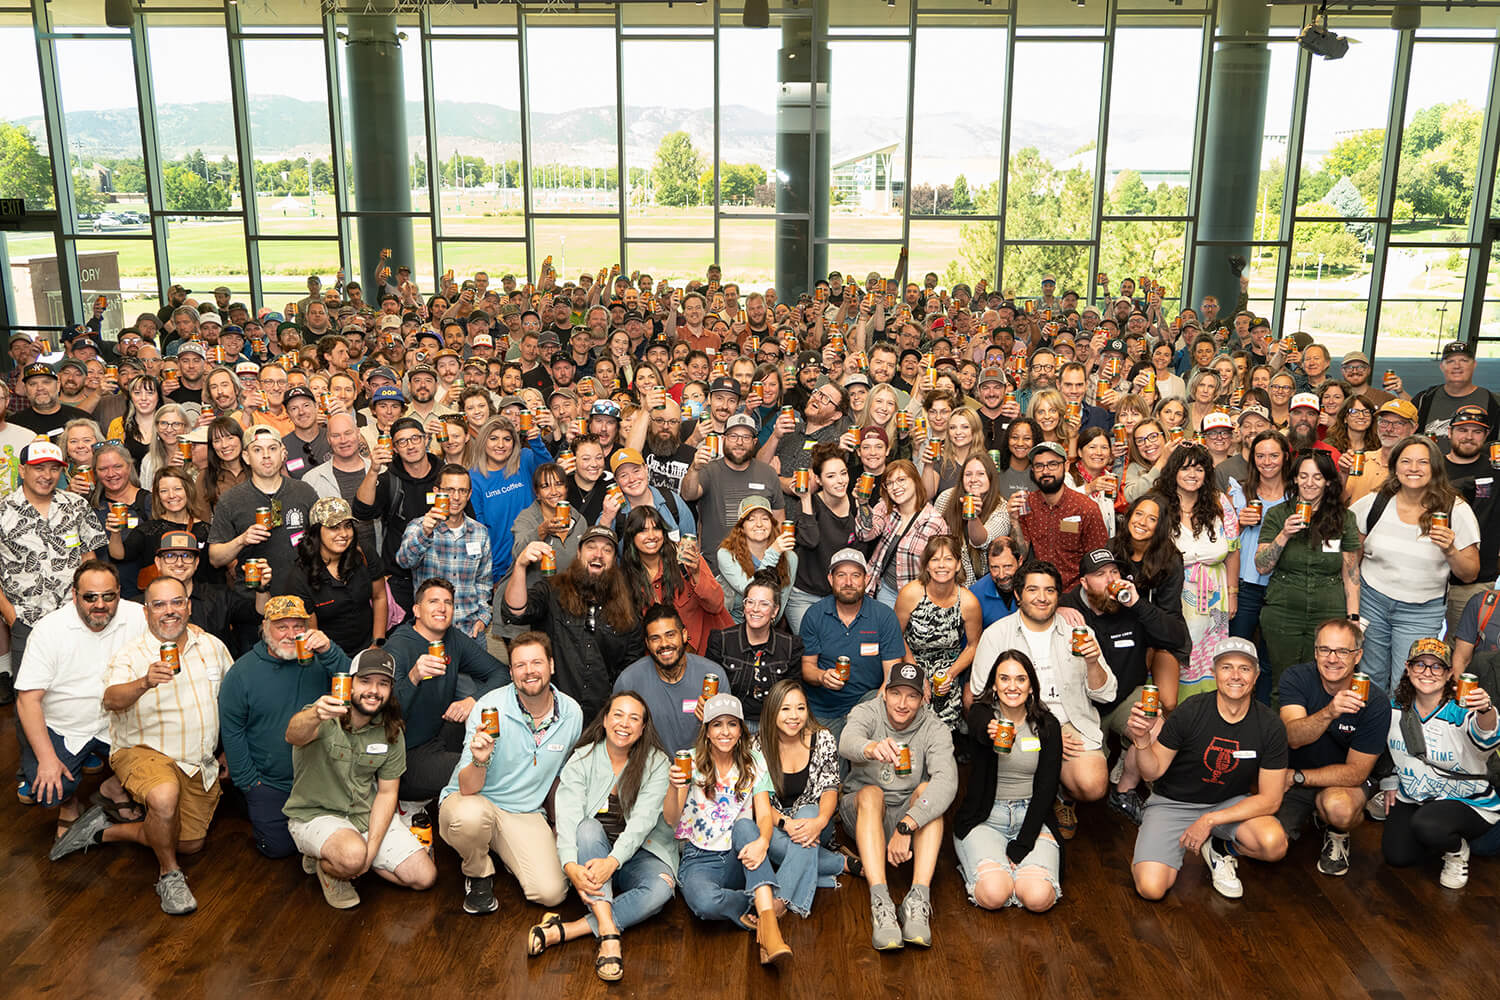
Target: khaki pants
(1458,596)
(474,826)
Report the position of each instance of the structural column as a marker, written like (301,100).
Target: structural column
(804,72)
(1230,174)
(379,161)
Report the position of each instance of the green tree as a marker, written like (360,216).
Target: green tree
(960,203)
(1340,249)
(24,171)
(86,194)
(1345,200)
(677,168)
(1130,196)
(738,181)
(1355,153)
(418,171)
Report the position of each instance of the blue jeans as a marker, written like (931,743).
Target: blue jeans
(267,821)
(72,762)
(715,884)
(644,882)
(801,871)
(1391,627)
(797,604)
(1244,624)
(886,594)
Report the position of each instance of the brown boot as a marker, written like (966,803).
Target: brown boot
(773,950)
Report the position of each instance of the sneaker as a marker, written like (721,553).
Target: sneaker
(23,792)
(338,891)
(1455,874)
(80,836)
(1375,808)
(1334,858)
(1127,804)
(887,933)
(916,920)
(309,864)
(479,895)
(1225,870)
(1067,817)
(176,898)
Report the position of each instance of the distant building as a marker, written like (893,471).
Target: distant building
(869,180)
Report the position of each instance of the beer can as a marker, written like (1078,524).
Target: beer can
(1465,684)
(932,451)
(442,432)
(581,425)
(995,457)
(1304,510)
(112,371)
(565,510)
(84,475)
(439,649)
(185,451)
(440,504)
(1360,685)
(1356,463)
(1005,735)
(802,480)
(528,421)
(421,828)
(1495,454)
(1075,411)
(489,721)
(1256,508)
(1010,396)
(1439,519)
(304,655)
(865,487)
(903,759)
(1150,700)
(790,412)
(1175,435)
(683,761)
(1121,434)
(903,421)
(170,657)
(252,574)
(568,461)
(715,446)
(548,563)
(383,440)
(710,685)
(1389,379)
(789,531)
(1025,503)
(970,506)
(1103,385)
(1116,587)
(1150,380)
(939,678)
(1080,636)
(343,688)
(613,493)
(263,518)
(842,668)
(119,510)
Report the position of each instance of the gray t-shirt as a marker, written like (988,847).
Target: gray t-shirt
(303,456)
(723,491)
(1015,777)
(672,705)
(290,504)
(364,531)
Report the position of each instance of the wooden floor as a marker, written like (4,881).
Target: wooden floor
(90,926)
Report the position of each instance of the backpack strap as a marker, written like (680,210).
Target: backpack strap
(1487,608)
(1377,507)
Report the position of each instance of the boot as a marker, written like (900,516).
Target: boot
(773,950)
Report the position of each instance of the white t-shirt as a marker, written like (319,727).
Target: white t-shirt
(66,661)
(1039,648)
(1403,564)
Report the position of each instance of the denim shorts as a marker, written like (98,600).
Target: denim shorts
(986,843)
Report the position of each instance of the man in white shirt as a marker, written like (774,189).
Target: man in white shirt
(63,729)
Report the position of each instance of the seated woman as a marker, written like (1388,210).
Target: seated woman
(610,833)
(755,544)
(1004,833)
(1429,808)
(721,809)
(802,759)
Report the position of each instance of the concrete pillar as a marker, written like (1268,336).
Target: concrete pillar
(801,128)
(379,160)
(1230,173)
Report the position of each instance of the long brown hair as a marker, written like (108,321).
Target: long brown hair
(629,784)
(953,516)
(1035,710)
(197,506)
(1338,431)
(390,716)
(737,545)
(1207,510)
(1439,495)
(703,761)
(770,749)
(612,593)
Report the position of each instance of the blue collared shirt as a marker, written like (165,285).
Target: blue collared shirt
(873,638)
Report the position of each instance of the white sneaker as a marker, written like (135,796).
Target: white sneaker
(1375,808)
(1225,870)
(1455,874)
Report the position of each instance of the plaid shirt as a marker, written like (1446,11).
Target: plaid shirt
(18,399)
(905,549)
(462,557)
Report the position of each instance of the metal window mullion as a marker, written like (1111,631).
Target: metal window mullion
(145,95)
(62,172)
(336,138)
(525,120)
(620,167)
(1292,182)
(239,105)
(1001,190)
(1385,203)
(1200,138)
(718,195)
(911,111)
(1477,280)
(1101,143)
(434,177)
(817,187)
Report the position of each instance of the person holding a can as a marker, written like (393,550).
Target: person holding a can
(720,486)
(756,544)
(163,731)
(1473,466)
(615,847)
(902,779)
(449,544)
(1008,845)
(1219,766)
(1061,524)
(1437,404)
(635,490)
(260,694)
(674,681)
(347,759)
(1337,722)
(1434,808)
(258,518)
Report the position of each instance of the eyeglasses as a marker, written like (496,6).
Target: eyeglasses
(174,603)
(1341,652)
(1423,667)
(463,491)
(411,439)
(759,604)
(173,425)
(1360,411)
(99,597)
(1392,423)
(1151,438)
(1280,388)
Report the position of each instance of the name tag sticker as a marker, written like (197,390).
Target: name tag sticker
(869,649)
(689,706)
(1243,755)
(294,538)
(555,748)
(1331,545)
(1031,744)
(472,547)
(431,499)
(1123,643)
(295,464)
(1070,526)
(809,444)
(757,486)
(71,539)
(376,748)
(132,522)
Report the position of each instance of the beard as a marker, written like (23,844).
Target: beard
(1301,440)
(661,444)
(1049,488)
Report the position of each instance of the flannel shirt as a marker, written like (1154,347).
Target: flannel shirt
(460,556)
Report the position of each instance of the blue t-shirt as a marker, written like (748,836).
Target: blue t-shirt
(991,605)
(1365,731)
(871,639)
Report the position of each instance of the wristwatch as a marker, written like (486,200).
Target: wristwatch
(1298,778)
(905,827)
(781,822)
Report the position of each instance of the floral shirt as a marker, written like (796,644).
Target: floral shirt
(708,817)
(38,554)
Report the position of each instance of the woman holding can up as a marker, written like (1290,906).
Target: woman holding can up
(1003,831)
(903,521)
(1206,530)
(977,512)
(1092,472)
(941,621)
(1415,530)
(176,505)
(827,518)
(1431,808)
(1309,547)
(661,571)
(345,593)
(719,805)
(1270,460)
(1147,456)
(755,544)
(551,519)
(611,839)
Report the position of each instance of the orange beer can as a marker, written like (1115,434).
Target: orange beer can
(548,563)
(1005,735)
(802,480)
(683,762)
(1150,700)
(1360,685)
(440,504)
(489,721)
(170,657)
(263,518)
(903,760)
(710,685)
(970,506)
(1079,637)
(1462,687)
(343,688)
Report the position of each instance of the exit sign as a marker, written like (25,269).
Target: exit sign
(12,212)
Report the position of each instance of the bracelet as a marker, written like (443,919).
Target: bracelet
(483,765)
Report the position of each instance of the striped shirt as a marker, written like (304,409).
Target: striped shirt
(1403,564)
(180,718)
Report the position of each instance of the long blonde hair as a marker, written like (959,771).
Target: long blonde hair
(879,389)
(744,761)
(1055,399)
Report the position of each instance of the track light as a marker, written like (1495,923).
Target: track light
(1317,39)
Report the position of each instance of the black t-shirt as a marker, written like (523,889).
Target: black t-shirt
(1217,760)
(48,424)
(186,394)
(343,608)
(1477,482)
(665,472)
(1366,731)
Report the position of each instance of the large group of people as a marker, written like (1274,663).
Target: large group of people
(644,589)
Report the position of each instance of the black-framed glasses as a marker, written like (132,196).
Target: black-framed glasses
(1341,652)
(1423,667)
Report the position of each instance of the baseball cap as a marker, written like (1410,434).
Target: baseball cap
(1095,560)
(809,359)
(382,371)
(1400,407)
(875,431)
(272,317)
(482,340)
(209,316)
(390,323)
(1048,279)
(373,662)
(1304,401)
(1430,647)
(599,531)
(247,368)
(1355,356)
(1051,447)
(1256,409)
(753,503)
(387,394)
(330,511)
(722,704)
(1116,346)
(299,392)
(260,430)
(1457,347)
(605,408)
(511,401)
(1231,644)
(725,384)
(625,456)
(192,347)
(178,541)
(85,344)
(73,363)
(856,378)
(1471,414)
(547,337)
(561,390)
(1216,421)
(423,369)
(902,674)
(741,420)
(992,375)
(850,555)
(37,369)
(40,451)
(285,606)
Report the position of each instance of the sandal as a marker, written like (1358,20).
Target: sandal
(614,963)
(852,864)
(536,938)
(127,811)
(64,825)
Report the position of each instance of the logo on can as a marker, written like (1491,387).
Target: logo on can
(170,657)
(1150,700)
(1360,685)
(710,685)
(343,688)
(1005,735)
(1080,636)
(489,721)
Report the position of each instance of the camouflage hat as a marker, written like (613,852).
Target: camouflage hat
(285,606)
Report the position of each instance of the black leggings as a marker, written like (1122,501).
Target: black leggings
(1416,832)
